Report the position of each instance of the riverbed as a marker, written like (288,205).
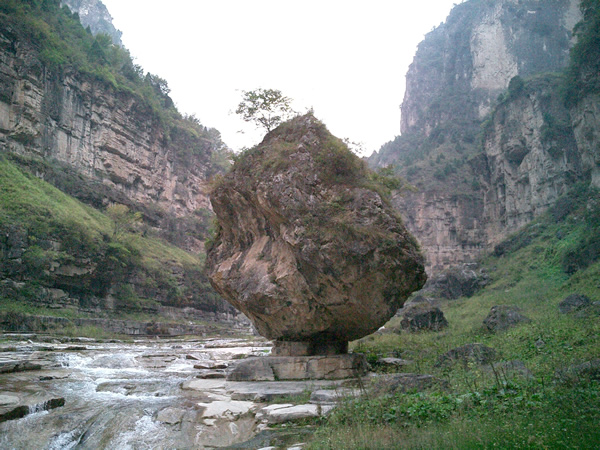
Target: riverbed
(144,394)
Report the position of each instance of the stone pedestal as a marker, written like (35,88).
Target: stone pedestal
(309,348)
(275,368)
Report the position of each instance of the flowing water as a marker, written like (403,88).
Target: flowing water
(113,394)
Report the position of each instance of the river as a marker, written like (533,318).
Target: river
(120,395)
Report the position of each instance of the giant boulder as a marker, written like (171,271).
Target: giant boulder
(307,246)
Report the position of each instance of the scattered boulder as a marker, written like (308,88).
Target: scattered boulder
(304,247)
(507,370)
(587,371)
(230,409)
(574,302)
(423,316)
(211,374)
(503,317)
(469,353)
(461,281)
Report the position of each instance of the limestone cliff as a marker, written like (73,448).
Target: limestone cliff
(76,112)
(107,135)
(93,14)
(471,193)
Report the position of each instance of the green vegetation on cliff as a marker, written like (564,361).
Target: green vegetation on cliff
(65,46)
(583,75)
(51,241)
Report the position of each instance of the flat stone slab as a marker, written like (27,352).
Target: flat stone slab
(272,368)
(199,384)
(333,396)
(230,409)
(267,391)
(273,414)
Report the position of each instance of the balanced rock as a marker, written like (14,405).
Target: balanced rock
(306,246)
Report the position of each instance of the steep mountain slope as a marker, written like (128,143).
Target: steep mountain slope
(482,65)
(76,111)
(93,14)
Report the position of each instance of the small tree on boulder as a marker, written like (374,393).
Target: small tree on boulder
(267,108)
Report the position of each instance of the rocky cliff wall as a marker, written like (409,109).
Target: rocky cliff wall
(94,14)
(585,119)
(471,194)
(110,136)
(464,64)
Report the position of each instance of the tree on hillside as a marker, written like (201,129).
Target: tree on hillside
(267,108)
(122,219)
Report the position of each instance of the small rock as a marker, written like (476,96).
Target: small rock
(511,369)
(539,344)
(503,317)
(393,362)
(573,302)
(226,409)
(589,370)
(423,316)
(474,353)
(208,365)
(212,374)
(170,415)
(333,396)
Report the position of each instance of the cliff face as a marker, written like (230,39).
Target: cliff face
(77,113)
(477,51)
(106,135)
(93,14)
(471,194)
(533,158)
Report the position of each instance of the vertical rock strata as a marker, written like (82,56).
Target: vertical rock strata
(306,248)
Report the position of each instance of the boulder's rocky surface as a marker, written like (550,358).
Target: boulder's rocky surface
(423,316)
(503,317)
(463,280)
(510,370)
(589,370)
(469,353)
(306,246)
(574,302)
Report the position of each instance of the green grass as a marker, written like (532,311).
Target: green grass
(483,409)
(54,230)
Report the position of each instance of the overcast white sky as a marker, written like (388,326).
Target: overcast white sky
(347,59)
